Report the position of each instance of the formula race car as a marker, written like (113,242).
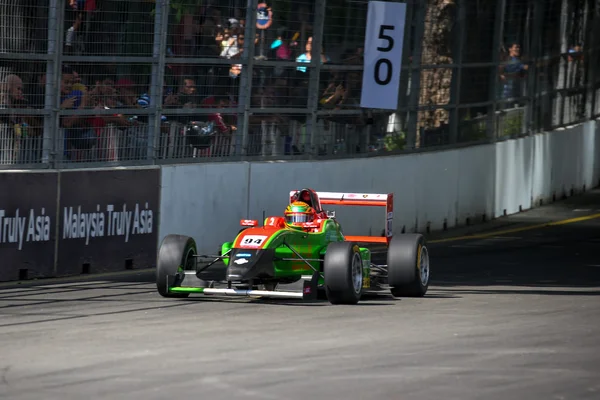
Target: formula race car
(306,245)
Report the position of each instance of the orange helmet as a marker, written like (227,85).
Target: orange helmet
(299,212)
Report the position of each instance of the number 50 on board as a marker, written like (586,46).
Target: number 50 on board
(384,38)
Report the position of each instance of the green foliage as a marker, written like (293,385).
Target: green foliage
(512,124)
(394,141)
(475,129)
(472,130)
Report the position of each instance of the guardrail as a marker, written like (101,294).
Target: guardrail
(112,143)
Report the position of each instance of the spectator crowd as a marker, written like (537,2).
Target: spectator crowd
(211,32)
(93,106)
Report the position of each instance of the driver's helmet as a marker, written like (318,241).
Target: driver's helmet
(299,212)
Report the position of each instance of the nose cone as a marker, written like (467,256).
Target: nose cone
(247,264)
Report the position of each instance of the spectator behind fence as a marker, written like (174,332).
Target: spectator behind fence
(7,133)
(241,39)
(80,139)
(74,20)
(20,135)
(133,137)
(221,142)
(107,128)
(230,45)
(186,97)
(512,72)
(188,94)
(218,102)
(307,55)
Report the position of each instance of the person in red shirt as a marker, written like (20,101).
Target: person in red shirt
(222,140)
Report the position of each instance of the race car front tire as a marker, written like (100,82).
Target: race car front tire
(343,273)
(176,254)
(408,265)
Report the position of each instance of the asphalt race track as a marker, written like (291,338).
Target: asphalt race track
(514,315)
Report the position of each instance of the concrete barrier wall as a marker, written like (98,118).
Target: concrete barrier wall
(204,201)
(50,219)
(431,189)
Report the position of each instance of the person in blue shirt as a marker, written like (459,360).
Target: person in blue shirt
(306,57)
(511,72)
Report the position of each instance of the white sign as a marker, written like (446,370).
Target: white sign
(384,39)
(253,241)
(81,224)
(23,227)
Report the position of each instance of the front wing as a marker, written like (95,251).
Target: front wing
(183,283)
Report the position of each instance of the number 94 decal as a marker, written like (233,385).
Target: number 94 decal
(253,241)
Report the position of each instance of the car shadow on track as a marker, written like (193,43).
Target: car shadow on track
(322,303)
(523,291)
(382,299)
(282,302)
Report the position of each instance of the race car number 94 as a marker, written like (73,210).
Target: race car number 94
(253,240)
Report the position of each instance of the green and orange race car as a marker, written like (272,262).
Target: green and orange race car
(304,245)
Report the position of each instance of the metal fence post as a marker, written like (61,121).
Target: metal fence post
(494,76)
(161,30)
(53,145)
(591,54)
(404,91)
(50,87)
(245,94)
(415,79)
(563,65)
(315,72)
(457,74)
(532,73)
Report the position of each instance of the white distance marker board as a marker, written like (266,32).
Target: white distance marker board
(384,38)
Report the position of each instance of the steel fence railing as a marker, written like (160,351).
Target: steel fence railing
(87,83)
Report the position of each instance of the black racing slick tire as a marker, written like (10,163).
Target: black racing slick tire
(176,254)
(343,272)
(408,265)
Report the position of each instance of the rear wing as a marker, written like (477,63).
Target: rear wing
(362,200)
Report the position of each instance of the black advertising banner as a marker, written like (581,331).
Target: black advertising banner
(108,220)
(27,224)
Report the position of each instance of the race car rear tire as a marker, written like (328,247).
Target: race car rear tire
(343,273)
(408,265)
(176,253)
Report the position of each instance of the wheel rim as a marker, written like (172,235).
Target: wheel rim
(189,263)
(424,266)
(357,273)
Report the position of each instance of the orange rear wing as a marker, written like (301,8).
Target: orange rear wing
(361,200)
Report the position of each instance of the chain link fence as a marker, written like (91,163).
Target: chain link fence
(109,82)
